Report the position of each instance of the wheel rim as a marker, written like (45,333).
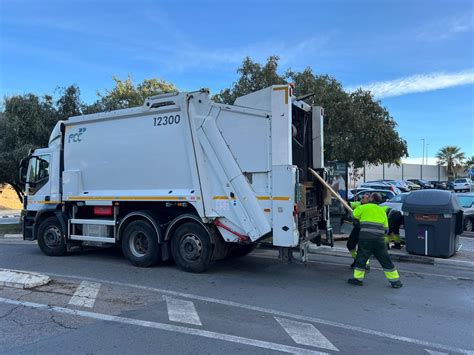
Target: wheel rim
(468,226)
(138,244)
(52,237)
(191,247)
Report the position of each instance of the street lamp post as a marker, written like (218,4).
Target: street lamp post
(423,156)
(426,160)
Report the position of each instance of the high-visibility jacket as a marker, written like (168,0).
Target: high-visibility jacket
(373,219)
(356,204)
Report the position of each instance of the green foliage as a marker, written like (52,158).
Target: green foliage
(357,128)
(253,77)
(25,123)
(452,157)
(469,162)
(126,94)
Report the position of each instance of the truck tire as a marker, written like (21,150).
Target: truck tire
(191,247)
(50,237)
(468,225)
(140,244)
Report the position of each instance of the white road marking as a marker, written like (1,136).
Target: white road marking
(432,352)
(305,334)
(85,294)
(277,313)
(166,327)
(182,311)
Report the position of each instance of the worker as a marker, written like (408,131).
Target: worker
(354,236)
(373,224)
(395,220)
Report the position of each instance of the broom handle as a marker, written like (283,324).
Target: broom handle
(334,193)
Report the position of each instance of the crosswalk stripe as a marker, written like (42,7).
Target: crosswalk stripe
(305,334)
(182,311)
(85,294)
(167,327)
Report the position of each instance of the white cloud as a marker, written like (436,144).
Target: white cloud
(418,83)
(446,28)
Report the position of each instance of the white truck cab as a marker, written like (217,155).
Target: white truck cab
(181,177)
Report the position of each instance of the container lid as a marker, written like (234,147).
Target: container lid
(431,201)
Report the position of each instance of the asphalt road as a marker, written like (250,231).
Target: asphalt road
(99,303)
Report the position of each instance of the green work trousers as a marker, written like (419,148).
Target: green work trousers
(377,247)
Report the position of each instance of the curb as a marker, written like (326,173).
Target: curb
(455,263)
(13,236)
(10,216)
(410,258)
(22,279)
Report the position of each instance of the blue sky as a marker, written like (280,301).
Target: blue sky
(416,56)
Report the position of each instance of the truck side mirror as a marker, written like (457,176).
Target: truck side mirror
(23,171)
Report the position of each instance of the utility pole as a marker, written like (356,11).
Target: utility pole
(426,160)
(423,156)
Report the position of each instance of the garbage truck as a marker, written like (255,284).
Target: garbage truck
(183,178)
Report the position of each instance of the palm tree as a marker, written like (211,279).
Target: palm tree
(469,165)
(469,162)
(452,157)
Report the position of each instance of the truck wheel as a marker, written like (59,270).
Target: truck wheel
(468,225)
(191,247)
(140,244)
(50,237)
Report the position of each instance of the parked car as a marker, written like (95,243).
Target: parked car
(396,202)
(440,185)
(380,186)
(400,184)
(450,185)
(466,200)
(462,184)
(352,192)
(412,185)
(425,184)
(386,194)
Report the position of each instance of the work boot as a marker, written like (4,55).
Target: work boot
(355,282)
(353,265)
(396,284)
(367,267)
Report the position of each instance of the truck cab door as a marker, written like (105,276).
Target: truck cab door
(38,184)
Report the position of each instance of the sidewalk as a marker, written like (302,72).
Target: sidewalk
(7,213)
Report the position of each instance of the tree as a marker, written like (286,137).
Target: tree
(357,128)
(69,104)
(25,123)
(253,77)
(126,94)
(452,157)
(469,163)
